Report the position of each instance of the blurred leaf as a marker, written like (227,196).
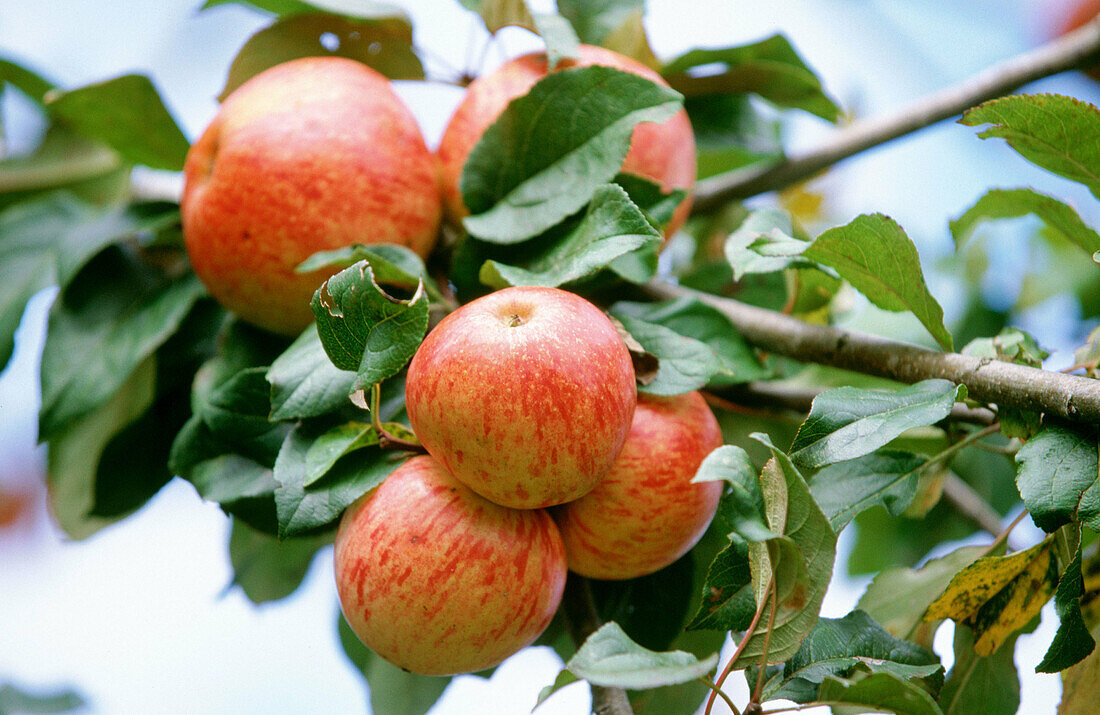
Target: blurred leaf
(26,80)
(1079,686)
(384,45)
(65,160)
(555,30)
(898,597)
(650,609)
(848,422)
(743,504)
(127,114)
(392,691)
(885,478)
(878,259)
(629,39)
(363,328)
(843,647)
(730,133)
(1057,477)
(1059,134)
(1013,203)
(357,9)
(609,658)
(997,596)
(763,244)
(303,508)
(612,227)
(882,691)
(693,319)
(16,700)
(265,568)
(981,684)
(304,382)
(685,364)
(1073,642)
(770,68)
(109,320)
(542,160)
(801,561)
(596,19)
(75,449)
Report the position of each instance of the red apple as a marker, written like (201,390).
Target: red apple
(1082,12)
(663,153)
(310,155)
(525,395)
(646,513)
(439,581)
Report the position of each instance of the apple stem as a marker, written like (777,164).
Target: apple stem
(387,440)
(582,619)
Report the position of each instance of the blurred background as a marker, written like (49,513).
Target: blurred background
(142,617)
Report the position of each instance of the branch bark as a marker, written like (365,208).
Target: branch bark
(993,381)
(1073,50)
(582,620)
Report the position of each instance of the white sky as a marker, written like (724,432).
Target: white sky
(138,617)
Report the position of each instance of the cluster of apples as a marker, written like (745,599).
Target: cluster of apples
(542,456)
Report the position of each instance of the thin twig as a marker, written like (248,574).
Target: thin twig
(1002,383)
(582,621)
(1003,536)
(1067,52)
(970,504)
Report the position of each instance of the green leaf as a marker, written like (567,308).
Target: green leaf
(363,328)
(16,700)
(743,505)
(838,647)
(849,422)
(311,451)
(997,596)
(1059,134)
(879,260)
(609,658)
(359,9)
(731,133)
(304,382)
(693,319)
(65,160)
(101,328)
(544,158)
(27,81)
(770,68)
(979,684)
(685,364)
(1057,477)
(1073,642)
(801,561)
(594,20)
(658,205)
(883,478)
(727,603)
(555,30)
(898,597)
(75,450)
(302,508)
(612,227)
(265,568)
(763,244)
(650,609)
(564,678)
(882,691)
(384,45)
(393,265)
(127,114)
(392,691)
(1059,217)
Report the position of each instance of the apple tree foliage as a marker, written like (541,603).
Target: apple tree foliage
(145,379)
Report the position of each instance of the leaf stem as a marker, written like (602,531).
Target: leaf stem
(387,440)
(767,644)
(1071,397)
(1067,52)
(720,693)
(741,646)
(583,620)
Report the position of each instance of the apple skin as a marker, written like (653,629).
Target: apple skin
(1081,13)
(309,155)
(525,395)
(646,513)
(439,581)
(663,153)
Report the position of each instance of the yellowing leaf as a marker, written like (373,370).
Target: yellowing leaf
(998,595)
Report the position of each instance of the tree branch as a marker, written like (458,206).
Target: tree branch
(582,620)
(970,504)
(1068,396)
(1072,50)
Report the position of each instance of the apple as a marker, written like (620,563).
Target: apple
(309,155)
(663,153)
(439,581)
(1081,13)
(646,513)
(525,395)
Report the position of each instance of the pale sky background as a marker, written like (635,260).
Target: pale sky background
(138,617)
